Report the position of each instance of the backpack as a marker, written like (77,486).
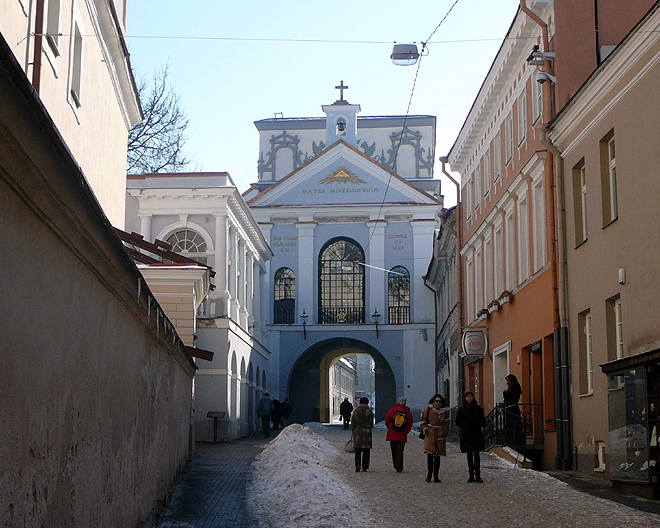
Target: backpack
(399,421)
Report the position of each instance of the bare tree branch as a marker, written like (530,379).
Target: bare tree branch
(156,144)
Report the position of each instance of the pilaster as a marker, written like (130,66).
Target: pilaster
(305,275)
(376,279)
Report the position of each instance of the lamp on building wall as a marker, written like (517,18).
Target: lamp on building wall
(375,317)
(303,318)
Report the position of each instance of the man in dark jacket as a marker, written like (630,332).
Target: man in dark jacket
(264,411)
(399,422)
(345,411)
(362,422)
(287,409)
(470,419)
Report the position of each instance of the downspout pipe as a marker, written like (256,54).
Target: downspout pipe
(559,343)
(459,275)
(38,44)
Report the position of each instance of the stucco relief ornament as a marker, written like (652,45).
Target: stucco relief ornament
(342,316)
(342,175)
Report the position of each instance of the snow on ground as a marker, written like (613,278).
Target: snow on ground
(295,483)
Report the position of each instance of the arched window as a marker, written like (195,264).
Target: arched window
(398,295)
(189,243)
(285,297)
(341,283)
(341,126)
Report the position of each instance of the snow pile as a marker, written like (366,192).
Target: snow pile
(315,426)
(380,425)
(294,484)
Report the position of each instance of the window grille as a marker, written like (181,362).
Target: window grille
(398,295)
(341,283)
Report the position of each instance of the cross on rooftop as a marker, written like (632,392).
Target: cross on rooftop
(341,89)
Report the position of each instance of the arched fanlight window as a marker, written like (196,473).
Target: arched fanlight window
(189,243)
(285,297)
(341,126)
(398,295)
(341,283)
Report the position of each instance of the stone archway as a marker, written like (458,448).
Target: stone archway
(309,379)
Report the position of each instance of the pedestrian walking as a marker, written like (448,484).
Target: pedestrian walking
(345,411)
(362,422)
(470,419)
(287,409)
(276,415)
(513,434)
(399,422)
(435,426)
(264,411)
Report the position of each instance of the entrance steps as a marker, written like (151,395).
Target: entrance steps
(510,455)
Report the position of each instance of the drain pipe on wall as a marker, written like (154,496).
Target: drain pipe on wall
(559,335)
(459,276)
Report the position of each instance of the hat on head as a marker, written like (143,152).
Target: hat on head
(364,400)
(402,401)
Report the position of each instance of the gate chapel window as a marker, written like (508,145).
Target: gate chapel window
(341,283)
(285,297)
(398,295)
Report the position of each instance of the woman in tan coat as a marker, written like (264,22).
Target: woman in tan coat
(362,422)
(435,425)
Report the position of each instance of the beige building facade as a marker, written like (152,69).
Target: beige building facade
(75,55)
(607,136)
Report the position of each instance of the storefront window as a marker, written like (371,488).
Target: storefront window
(628,419)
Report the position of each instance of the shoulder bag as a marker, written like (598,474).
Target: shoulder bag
(350,446)
(421,431)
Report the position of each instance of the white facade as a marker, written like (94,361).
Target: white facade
(204,217)
(342,199)
(79,65)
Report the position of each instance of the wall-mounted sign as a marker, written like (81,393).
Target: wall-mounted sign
(475,342)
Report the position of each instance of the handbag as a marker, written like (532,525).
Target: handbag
(350,446)
(421,432)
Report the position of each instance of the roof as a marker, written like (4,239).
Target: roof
(277,123)
(328,149)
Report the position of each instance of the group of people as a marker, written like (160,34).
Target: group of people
(434,426)
(273,410)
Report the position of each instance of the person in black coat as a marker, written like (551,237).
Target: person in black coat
(470,419)
(346,410)
(287,409)
(276,415)
(513,434)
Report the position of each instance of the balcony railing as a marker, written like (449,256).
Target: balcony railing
(517,426)
(284,315)
(398,314)
(341,315)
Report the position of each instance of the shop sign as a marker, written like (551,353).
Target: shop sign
(475,343)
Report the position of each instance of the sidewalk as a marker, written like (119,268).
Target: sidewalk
(212,489)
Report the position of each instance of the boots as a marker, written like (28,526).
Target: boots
(471,479)
(436,469)
(429,464)
(478,480)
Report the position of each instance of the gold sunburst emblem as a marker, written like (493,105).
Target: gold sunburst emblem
(342,175)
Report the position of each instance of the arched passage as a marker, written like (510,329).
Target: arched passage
(251,399)
(243,422)
(309,379)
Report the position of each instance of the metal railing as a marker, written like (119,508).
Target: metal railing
(516,426)
(398,315)
(284,315)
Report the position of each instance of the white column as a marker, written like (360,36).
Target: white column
(233,275)
(242,284)
(376,279)
(145,226)
(221,265)
(305,275)
(264,296)
(249,275)
(422,310)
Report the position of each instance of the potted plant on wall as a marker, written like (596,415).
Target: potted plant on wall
(506,296)
(481,312)
(493,305)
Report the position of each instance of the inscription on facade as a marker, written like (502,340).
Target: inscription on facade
(284,244)
(398,242)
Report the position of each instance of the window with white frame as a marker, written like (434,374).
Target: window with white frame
(53,25)
(608,178)
(585,353)
(477,186)
(539,224)
(470,291)
(580,202)
(468,197)
(510,252)
(497,157)
(487,182)
(75,69)
(478,280)
(523,239)
(488,275)
(618,321)
(537,103)
(498,271)
(522,116)
(508,137)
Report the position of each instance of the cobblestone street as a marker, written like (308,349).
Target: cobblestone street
(212,490)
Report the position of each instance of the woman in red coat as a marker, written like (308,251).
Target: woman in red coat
(399,422)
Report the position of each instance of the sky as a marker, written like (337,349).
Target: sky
(226,85)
